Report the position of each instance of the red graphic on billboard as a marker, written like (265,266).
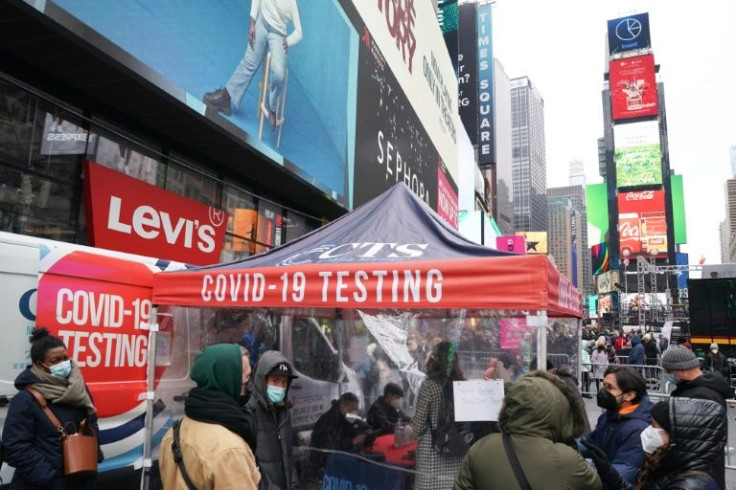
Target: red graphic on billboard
(642,226)
(511,243)
(633,87)
(129,215)
(98,306)
(447,200)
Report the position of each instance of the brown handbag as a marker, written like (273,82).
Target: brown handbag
(79,449)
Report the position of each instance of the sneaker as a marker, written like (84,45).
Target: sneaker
(218,100)
(272,119)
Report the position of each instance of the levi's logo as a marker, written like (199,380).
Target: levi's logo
(151,224)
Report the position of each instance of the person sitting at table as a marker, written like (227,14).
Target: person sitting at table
(385,413)
(334,431)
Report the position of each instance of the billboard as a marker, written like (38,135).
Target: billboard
(128,215)
(511,243)
(536,241)
(683,276)
(486,124)
(606,283)
(638,154)
(599,259)
(628,33)
(447,17)
(633,87)
(642,224)
(467,80)
(303,113)
(596,206)
(678,209)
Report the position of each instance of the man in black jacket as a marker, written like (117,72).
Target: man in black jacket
(334,431)
(684,366)
(269,407)
(385,414)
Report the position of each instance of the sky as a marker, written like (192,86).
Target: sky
(560,46)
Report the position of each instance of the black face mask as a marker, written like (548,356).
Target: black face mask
(606,400)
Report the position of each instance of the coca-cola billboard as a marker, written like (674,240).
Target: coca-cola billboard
(642,226)
(129,215)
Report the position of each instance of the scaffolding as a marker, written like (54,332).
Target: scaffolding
(643,266)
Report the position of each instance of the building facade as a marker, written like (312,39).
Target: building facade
(504,210)
(563,219)
(575,194)
(577,173)
(528,156)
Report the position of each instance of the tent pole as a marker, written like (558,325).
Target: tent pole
(579,352)
(541,321)
(152,327)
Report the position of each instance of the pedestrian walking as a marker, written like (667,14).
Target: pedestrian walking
(216,435)
(636,356)
(599,359)
(715,361)
(540,418)
(586,368)
(685,436)
(31,440)
(684,367)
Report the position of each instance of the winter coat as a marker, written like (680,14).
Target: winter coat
(715,363)
(214,457)
(273,428)
(636,356)
(651,350)
(542,435)
(714,387)
(618,435)
(698,438)
(599,358)
(585,360)
(383,417)
(32,442)
(619,344)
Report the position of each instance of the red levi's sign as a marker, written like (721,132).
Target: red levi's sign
(128,215)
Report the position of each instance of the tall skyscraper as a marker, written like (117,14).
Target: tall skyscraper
(562,237)
(577,173)
(528,156)
(725,240)
(732,152)
(575,194)
(503,210)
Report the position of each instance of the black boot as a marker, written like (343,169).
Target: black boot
(218,100)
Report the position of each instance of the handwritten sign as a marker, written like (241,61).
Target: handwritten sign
(478,400)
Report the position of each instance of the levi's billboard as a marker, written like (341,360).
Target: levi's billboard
(633,87)
(128,215)
(642,225)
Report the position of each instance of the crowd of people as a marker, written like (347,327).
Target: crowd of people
(237,432)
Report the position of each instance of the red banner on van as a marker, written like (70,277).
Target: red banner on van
(128,215)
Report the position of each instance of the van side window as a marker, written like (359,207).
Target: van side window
(313,356)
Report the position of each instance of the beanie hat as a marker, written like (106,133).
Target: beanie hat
(661,413)
(713,346)
(678,359)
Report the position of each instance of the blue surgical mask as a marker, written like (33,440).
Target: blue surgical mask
(671,379)
(62,369)
(275,393)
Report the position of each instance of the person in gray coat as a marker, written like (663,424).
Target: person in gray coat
(269,408)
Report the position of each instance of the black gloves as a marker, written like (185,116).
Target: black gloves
(608,474)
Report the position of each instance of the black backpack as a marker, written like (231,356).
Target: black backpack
(450,438)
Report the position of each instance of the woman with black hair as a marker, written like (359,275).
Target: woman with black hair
(684,439)
(442,370)
(31,440)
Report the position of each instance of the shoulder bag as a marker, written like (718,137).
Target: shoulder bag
(514,460)
(179,458)
(79,449)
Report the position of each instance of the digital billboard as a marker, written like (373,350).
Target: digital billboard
(511,243)
(536,241)
(683,276)
(638,154)
(678,209)
(642,225)
(467,80)
(633,87)
(596,206)
(486,124)
(303,113)
(628,33)
(599,258)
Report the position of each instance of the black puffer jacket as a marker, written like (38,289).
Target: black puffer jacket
(273,422)
(698,437)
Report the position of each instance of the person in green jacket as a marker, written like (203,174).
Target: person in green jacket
(542,417)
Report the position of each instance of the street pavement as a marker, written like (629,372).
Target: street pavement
(594,412)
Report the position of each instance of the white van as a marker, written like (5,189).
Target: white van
(98,301)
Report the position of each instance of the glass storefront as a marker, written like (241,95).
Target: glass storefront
(43,147)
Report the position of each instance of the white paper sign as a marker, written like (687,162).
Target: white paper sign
(478,400)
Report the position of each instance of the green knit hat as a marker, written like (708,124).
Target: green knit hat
(219,367)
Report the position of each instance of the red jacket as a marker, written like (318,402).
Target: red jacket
(620,343)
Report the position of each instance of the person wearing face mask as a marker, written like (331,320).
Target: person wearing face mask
(685,437)
(334,431)
(715,361)
(269,405)
(626,408)
(216,436)
(31,441)
(385,413)
(684,367)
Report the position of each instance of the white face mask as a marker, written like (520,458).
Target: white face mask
(651,439)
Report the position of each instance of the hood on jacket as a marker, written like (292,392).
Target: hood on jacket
(699,429)
(268,362)
(714,381)
(560,418)
(635,340)
(219,367)
(25,378)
